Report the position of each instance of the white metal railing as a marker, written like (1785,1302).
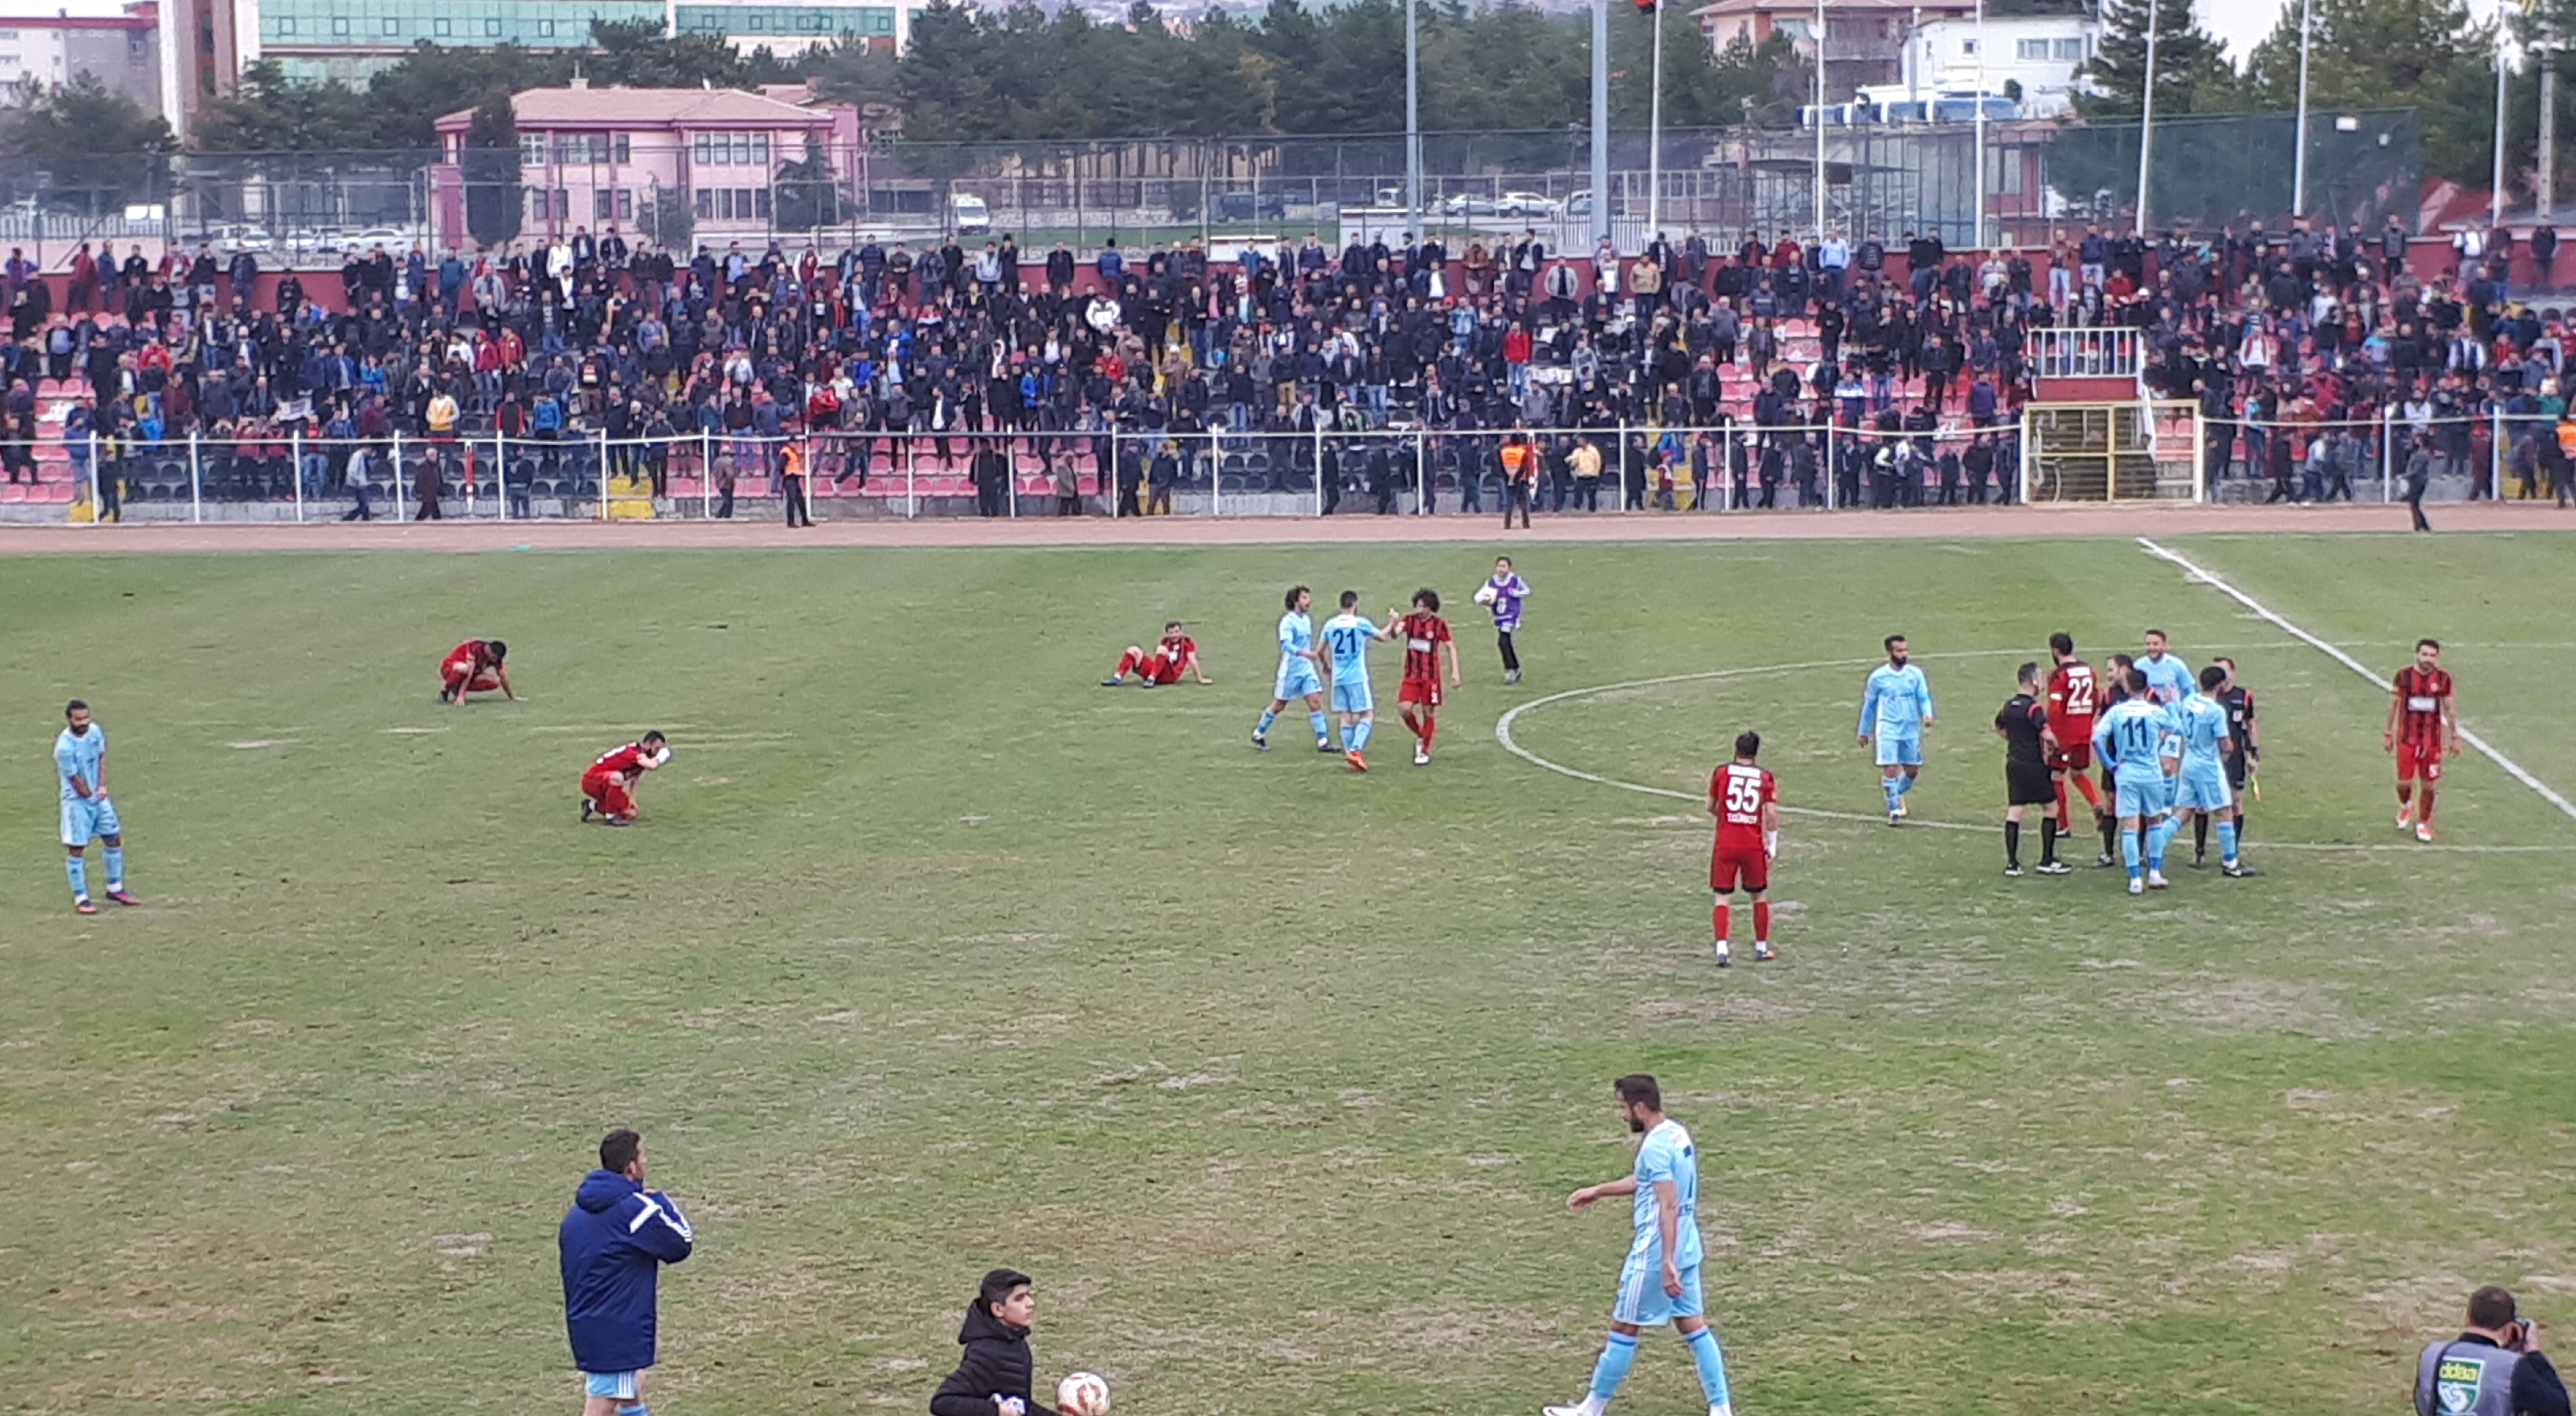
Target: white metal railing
(2098,352)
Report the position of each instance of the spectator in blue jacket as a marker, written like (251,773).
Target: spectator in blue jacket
(615,1239)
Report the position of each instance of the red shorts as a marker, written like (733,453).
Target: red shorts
(1423,691)
(605,791)
(1159,670)
(1731,865)
(2071,756)
(2414,762)
(454,675)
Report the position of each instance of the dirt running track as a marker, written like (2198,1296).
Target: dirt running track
(1927,523)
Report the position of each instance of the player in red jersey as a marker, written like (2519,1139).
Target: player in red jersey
(1178,654)
(2423,728)
(1746,802)
(608,785)
(2073,696)
(1426,638)
(474,667)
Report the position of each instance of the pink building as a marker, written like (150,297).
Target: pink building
(601,157)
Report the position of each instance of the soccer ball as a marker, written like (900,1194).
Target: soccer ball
(1485,594)
(1082,1394)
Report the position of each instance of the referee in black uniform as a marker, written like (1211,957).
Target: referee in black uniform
(2238,701)
(2026,779)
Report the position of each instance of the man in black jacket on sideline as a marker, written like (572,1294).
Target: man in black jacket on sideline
(993,1378)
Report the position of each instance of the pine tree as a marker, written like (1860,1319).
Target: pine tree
(2192,72)
(494,201)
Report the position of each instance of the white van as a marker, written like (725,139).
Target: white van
(968,216)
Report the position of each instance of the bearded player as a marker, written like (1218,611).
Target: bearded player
(474,667)
(2423,729)
(1426,638)
(2073,699)
(608,785)
(1176,655)
(1746,802)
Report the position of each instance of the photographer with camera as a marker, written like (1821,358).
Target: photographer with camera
(2493,1368)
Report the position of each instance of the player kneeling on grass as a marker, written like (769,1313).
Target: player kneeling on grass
(474,667)
(994,1376)
(1746,802)
(1659,1283)
(1176,655)
(1426,637)
(80,759)
(2023,725)
(608,785)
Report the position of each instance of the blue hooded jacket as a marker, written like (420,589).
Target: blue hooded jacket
(614,1239)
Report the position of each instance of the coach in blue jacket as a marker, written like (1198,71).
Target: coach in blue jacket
(615,1239)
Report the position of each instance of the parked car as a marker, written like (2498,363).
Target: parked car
(1470,206)
(1251,206)
(1529,204)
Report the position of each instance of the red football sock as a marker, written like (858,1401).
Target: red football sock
(1761,921)
(1717,919)
(1127,663)
(2092,795)
(2424,813)
(1429,727)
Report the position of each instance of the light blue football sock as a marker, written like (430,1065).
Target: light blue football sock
(2129,852)
(1323,729)
(2160,836)
(2227,842)
(1712,1364)
(77,867)
(1358,733)
(1887,788)
(1905,782)
(1268,716)
(115,868)
(638,1409)
(1617,1356)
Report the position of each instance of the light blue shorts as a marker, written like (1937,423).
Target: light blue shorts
(84,818)
(2203,789)
(1898,752)
(617,1386)
(2142,796)
(1642,1299)
(1298,679)
(1351,695)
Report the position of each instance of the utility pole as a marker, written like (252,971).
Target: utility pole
(2495,202)
(1819,233)
(2548,193)
(1655,131)
(1978,240)
(1412,121)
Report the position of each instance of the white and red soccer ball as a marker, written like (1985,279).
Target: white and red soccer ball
(1082,1394)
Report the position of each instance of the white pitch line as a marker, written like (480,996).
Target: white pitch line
(2512,768)
(1503,735)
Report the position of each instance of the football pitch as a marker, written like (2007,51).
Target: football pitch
(929,955)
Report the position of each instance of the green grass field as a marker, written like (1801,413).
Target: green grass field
(930,955)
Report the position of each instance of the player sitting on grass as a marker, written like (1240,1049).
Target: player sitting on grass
(608,786)
(993,1378)
(474,667)
(1426,637)
(1176,655)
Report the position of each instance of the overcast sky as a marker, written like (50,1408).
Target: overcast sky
(2243,23)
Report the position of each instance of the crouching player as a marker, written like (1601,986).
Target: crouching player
(1426,638)
(1176,655)
(474,667)
(608,786)
(1746,802)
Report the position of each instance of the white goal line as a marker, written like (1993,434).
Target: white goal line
(2512,768)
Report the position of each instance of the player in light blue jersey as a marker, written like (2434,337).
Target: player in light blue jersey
(2129,737)
(1298,675)
(1347,636)
(1895,708)
(2169,679)
(2200,787)
(80,759)
(1659,1283)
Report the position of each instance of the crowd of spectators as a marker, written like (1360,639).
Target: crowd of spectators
(1767,374)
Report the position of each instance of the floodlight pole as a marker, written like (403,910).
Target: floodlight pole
(2146,117)
(2299,163)
(2495,202)
(1600,120)
(1412,120)
(1819,234)
(1978,240)
(1655,132)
